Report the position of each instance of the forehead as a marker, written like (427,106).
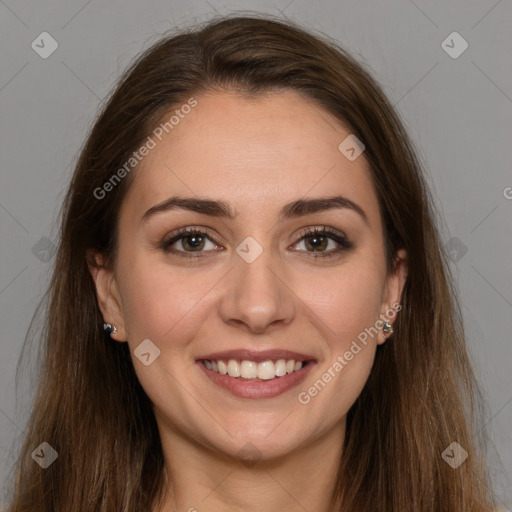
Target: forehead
(254,153)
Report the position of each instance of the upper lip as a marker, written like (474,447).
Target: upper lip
(257,356)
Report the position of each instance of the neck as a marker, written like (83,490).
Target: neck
(201,479)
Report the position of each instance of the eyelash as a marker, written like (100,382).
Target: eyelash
(342,240)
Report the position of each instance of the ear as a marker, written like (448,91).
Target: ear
(107,292)
(393,291)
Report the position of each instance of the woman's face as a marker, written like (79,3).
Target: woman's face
(251,289)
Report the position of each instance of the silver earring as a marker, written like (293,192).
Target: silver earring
(387,329)
(109,329)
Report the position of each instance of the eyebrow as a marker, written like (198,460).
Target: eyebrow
(295,209)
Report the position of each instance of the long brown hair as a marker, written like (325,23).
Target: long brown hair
(421,392)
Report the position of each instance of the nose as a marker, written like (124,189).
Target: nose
(258,296)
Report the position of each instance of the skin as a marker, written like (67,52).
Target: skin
(256,154)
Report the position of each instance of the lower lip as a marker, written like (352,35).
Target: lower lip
(258,388)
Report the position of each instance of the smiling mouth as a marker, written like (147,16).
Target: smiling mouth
(254,371)
(245,378)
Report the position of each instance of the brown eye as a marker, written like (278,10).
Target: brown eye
(324,242)
(193,242)
(316,242)
(189,241)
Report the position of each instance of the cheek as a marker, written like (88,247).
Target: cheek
(164,305)
(347,308)
(346,301)
(159,299)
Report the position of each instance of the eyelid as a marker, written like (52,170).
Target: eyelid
(337,236)
(180,233)
(333,234)
(313,230)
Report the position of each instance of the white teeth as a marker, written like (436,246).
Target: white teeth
(265,370)
(223,367)
(233,368)
(280,368)
(248,370)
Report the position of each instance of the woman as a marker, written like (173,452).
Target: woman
(250,308)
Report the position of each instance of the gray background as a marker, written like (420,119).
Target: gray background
(457,110)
